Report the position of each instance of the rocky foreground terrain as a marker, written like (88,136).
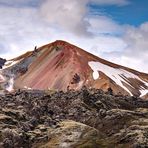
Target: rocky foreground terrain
(87,118)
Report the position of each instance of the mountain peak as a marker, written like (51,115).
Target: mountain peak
(61,66)
(60,43)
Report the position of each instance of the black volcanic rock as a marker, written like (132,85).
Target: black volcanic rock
(85,118)
(2,62)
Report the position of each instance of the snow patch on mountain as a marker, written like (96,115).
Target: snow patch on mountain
(29,88)
(2,79)
(117,75)
(95,74)
(143,92)
(95,70)
(10,63)
(10,85)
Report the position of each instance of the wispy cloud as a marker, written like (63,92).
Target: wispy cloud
(21,3)
(111,2)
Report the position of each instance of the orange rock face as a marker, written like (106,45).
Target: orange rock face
(63,66)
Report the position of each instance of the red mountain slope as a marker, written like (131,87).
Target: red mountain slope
(63,66)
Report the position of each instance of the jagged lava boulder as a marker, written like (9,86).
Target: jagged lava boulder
(83,118)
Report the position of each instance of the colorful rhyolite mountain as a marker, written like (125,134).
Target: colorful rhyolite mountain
(61,66)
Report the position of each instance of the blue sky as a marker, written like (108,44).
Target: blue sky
(116,30)
(135,13)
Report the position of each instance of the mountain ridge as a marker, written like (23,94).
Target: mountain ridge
(65,42)
(61,65)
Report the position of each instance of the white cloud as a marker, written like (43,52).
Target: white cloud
(104,25)
(72,15)
(23,28)
(136,39)
(19,2)
(135,54)
(20,30)
(66,14)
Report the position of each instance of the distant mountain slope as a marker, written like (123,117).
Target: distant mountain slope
(61,66)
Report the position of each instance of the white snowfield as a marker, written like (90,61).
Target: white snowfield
(2,79)
(10,85)
(29,88)
(117,75)
(10,63)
